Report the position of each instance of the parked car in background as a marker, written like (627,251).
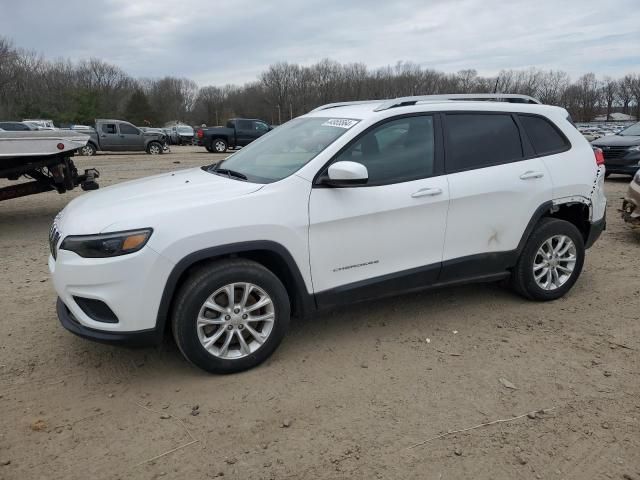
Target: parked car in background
(348,203)
(158,131)
(121,136)
(621,150)
(182,134)
(631,202)
(16,127)
(239,132)
(167,133)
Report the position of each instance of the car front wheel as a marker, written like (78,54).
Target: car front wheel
(230,316)
(550,262)
(154,148)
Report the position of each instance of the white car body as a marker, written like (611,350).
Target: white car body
(336,237)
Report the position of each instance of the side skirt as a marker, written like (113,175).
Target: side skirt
(489,267)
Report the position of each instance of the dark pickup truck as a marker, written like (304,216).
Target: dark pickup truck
(238,133)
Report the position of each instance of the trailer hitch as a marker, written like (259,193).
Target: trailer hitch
(88,180)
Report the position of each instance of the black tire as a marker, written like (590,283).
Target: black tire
(219,145)
(203,283)
(522,278)
(89,150)
(607,174)
(155,148)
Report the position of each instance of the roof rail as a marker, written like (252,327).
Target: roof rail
(500,97)
(345,104)
(385,104)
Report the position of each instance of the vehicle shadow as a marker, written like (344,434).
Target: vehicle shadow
(332,329)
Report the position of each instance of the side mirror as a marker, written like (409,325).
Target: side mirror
(345,174)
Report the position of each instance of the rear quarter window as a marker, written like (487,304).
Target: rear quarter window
(545,138)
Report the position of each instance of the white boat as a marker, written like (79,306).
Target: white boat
(45,158)
(40,143)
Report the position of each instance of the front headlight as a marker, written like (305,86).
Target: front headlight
(107,244)
(634,149)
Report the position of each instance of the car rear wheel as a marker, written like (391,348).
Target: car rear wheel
(219,145)
(154,148)
(230,316)
(550,262)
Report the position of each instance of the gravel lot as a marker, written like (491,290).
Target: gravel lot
(346,394)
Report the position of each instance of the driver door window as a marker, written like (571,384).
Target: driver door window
(398,151)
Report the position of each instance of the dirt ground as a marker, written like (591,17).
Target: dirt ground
(346,395)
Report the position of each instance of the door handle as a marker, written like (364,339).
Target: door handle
(427,192)
(528,175)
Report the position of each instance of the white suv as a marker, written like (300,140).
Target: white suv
(349,202)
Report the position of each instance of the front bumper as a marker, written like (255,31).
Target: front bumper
(627,164)
(134,339)
(622,169)
(130,286)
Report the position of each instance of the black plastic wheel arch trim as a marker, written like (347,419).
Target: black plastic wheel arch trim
(305,301)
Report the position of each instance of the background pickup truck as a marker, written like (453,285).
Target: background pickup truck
(121,136)
(238,133)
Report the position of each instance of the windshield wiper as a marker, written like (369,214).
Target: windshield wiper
(229,173)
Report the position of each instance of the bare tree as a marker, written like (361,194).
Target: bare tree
(625,92)
(609,94)
(79,92)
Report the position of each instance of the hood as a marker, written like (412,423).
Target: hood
(617,140)
(153,134)
(138,203)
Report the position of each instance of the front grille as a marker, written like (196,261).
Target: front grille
(54,238)
(611,153)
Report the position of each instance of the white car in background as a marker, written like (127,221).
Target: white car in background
(348,203)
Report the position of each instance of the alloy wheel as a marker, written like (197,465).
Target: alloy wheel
(87,150)
(554,262)
(235,321)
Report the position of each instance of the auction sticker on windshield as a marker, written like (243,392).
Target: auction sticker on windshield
(340,122)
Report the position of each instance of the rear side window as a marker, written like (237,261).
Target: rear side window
(243,125)
(109,128)
(544,137)
(128,129)
(478,140)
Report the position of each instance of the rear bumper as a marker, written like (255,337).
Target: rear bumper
(595,230)
(134,339)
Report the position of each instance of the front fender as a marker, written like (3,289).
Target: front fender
(305,300)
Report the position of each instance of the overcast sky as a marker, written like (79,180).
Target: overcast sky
(219,42)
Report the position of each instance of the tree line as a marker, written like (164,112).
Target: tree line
(67,92)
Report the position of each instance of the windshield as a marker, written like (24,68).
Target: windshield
(185,130)
(285,150)
(633,130)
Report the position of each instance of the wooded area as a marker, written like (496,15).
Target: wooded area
(34,87)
